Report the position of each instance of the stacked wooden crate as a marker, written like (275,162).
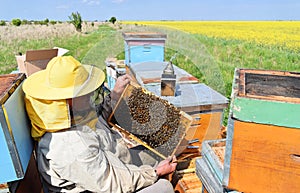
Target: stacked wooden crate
(210,167)
(263,137)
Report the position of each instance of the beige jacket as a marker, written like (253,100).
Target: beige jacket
(81,159)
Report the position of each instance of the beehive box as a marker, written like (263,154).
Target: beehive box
(213,153)
(209,168)
(15,140)
(144,46)
(150,120)
(263,136)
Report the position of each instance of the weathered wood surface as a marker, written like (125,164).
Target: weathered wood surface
(210,183)
(188,183)
(266,112)
(214,161)
(267,97)
(263,158)
(273,85)
(9,83)
(143,35)
(205,126)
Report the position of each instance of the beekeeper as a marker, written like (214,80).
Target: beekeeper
(77,151)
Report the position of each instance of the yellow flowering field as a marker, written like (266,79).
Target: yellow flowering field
(285,34)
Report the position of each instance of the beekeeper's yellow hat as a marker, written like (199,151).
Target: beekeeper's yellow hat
(63,78)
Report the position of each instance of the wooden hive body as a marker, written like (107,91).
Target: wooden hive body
(15,140)
(209,168)
(263,137)
(144,46)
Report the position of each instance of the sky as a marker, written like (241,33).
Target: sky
(101,10)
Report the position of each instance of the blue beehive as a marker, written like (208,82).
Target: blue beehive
(15,141)
(144,46)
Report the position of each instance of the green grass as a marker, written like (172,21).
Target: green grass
(78,45)
(231,54)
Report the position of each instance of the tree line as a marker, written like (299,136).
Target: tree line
(75,19)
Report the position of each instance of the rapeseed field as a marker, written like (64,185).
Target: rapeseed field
(284,34)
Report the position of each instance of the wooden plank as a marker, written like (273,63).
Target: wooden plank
(150,73)
(19,130)
(210,183)
(209,128)
(144,36)
(266,112)
(268,85)
(213,161)
(189,183)
(9,83)
(265,154)
(272,85)
(263,96)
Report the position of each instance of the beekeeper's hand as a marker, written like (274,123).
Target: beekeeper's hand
(166,166)
(120,85)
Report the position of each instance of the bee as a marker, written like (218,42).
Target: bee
(154,120)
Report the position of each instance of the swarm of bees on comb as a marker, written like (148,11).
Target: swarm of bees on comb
(155,121)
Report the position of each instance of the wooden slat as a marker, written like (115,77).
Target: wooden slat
(9,83)
(268,85)
(266,112)
(208,128)
(267,155)
(189,183)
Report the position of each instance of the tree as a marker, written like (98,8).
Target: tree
(16,22)
(46,21)
(52,22)
(76,21)
(25,22)
(113,20)
(2,23)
